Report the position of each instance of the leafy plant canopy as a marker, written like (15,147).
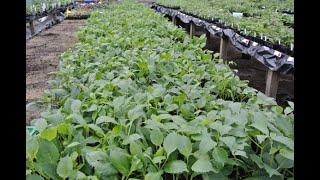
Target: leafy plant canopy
(38,6)
(137,98)
(261,18)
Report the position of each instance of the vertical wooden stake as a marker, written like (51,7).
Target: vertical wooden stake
(224,43)
(31,27)
(174,20)
(272,82)
(54,16)
(252,59)
(192,29)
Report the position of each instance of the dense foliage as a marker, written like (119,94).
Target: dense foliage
(38,6)
(260,17)
(83,11)
(139,99)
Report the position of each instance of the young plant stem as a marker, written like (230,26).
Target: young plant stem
(255,142)
(164,162)
(237,177)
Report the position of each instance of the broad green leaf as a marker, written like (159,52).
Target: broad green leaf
(136,112)
(158,159)
(172,107)
(159,152)
(230,142)
(105,169)
(240,153)
(287,154)
(105,119)
(95,158)
(158,91)
(206,144)
(77,118)
(32,147)
(212,115)
(153,176)
(261,138)
(131,138)
(48,152)
(74,156)
(32,106)
(171,126)
(34,177)
(135,148)
(201,102)
(48,169)
(235,107)
(171,143)
(178,120)
(212,176)
(76,106)
(65,167)
(261,164)
(184,146)
(284,162)
(49,133)
(260,123)
(116,129)
(118,102)
(202,166)
(156,137)
(120,161)
(271,171)
(73,144)
(284,140)
(220,155)
(222,129)
(285,126)
(92,108)
(99,132)
(136,164)
(91,140)
(28,171)
(164,116)
(81,175)
(257,160)
(175,167)
(55,118)
(64,128)
(40,124)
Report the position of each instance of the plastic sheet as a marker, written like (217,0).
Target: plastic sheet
(273,59)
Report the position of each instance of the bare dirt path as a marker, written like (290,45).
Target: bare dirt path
(42,57)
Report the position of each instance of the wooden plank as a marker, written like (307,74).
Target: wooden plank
(224,43)
(32,28)
(192,29)
(272,82)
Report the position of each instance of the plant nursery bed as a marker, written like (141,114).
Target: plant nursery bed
(42,57)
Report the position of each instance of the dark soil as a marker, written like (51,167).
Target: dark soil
(42,57)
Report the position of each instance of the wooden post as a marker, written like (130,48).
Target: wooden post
(272,82)
(31,27)
(252,59)
(174,20)
(224,43)
(192,29)
(54,16)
